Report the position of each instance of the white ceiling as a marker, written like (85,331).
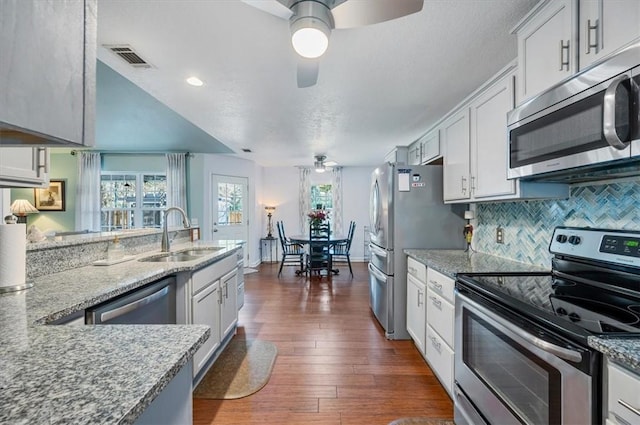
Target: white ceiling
(379,86)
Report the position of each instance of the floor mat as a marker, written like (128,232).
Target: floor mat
(243,368)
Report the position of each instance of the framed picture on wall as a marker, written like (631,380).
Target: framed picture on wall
(51,198)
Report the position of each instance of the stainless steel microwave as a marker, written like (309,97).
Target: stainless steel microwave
(582,123)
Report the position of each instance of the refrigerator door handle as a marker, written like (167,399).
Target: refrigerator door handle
(378,251)
(377,274)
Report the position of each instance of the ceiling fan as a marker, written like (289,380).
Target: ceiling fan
(320,165)
(311,22)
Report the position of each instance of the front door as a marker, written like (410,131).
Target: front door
(229,213)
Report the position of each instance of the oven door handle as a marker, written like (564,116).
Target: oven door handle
(561,352)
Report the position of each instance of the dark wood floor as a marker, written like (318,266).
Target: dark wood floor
(334,365)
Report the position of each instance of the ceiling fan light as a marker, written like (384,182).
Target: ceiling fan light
(310,42)
(319,167)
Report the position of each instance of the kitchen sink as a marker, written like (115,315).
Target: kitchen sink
(167,258)
(201,251)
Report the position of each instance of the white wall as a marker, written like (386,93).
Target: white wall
(280,189)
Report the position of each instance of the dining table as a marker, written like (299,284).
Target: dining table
(305,240)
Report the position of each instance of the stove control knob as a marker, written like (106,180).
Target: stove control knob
(574,317)
(574,240)
(561,311)
(561,238)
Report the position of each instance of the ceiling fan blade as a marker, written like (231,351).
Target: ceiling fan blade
(273,7)
(307,72)
(352,13)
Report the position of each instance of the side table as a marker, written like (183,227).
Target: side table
(269,243)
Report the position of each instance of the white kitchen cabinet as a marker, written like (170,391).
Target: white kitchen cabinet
(415,154)
(455,141)
(214,303)
(47,71)
(416,312)
(489,141)
(547,46)
(430,146)
(206,311)
(622,395)
(606,26)
(440,327)
(229,299)
(24,167)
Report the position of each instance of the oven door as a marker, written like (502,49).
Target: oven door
(509,371)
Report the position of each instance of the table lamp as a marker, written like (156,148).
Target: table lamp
(22,207)
(269,211)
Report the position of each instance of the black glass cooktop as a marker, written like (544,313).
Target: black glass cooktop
(571,305)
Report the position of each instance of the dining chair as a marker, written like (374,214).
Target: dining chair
(292,253)
(319,256)
(341,251)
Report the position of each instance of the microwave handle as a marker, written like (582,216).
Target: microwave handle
(609,114)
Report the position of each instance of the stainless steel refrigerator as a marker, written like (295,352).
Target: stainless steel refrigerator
(406,211)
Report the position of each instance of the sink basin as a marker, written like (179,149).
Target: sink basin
(173,257)
(201,251)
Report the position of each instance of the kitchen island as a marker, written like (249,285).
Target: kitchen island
(107,374)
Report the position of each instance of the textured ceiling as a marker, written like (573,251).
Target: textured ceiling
(379,86)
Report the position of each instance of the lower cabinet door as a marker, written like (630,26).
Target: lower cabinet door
(229,296)
(416,315)
(440,357)
(206,311)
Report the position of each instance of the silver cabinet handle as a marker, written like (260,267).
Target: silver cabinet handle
(564,63)
(589,43)
(117,312)
(436,344)
(419,296)
(473,184)
(436,302)
(561,352)
(412,270)
(628,406)
(609,114)
(462,180)
(435,285)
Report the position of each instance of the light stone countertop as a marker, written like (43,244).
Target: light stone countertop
(105,374)
(451,262)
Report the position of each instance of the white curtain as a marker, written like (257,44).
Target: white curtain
(176,186)
(304,203)
(336,195)
(88,192)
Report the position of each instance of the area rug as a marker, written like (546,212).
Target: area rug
(248,270)
(243,368)
(422,421)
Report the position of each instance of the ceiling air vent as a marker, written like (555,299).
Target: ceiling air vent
(246,150)
(129,55)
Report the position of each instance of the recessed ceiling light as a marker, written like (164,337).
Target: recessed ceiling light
(195,81)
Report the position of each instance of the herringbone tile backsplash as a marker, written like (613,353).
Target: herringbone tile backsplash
(528,225)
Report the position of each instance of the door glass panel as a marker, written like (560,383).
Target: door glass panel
(527,385)
(229,204)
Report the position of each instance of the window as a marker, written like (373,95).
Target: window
(132,200)
(229,203)
(321,196)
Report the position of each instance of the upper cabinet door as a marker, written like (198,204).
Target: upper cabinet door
(430,146)
(24,167)
(455,141)
(489,140)
(47,71)
(547,47)
(606,26)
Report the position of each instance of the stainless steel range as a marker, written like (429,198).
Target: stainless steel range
(521,338)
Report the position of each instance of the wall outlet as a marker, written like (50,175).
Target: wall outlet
(499,235)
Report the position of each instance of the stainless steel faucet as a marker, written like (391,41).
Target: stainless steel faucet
(165,233)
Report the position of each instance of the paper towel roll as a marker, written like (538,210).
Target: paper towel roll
(13,254)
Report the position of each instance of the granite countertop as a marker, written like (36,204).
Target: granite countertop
(452,262)
(105,374)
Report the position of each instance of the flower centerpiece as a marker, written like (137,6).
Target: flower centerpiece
(317,217)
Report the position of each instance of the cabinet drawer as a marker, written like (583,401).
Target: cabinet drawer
(416,269)
(441,284)
(624,397)
(440,357)
(206,275)
(440,316)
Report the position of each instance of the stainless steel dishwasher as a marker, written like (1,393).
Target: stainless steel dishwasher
(152,304)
